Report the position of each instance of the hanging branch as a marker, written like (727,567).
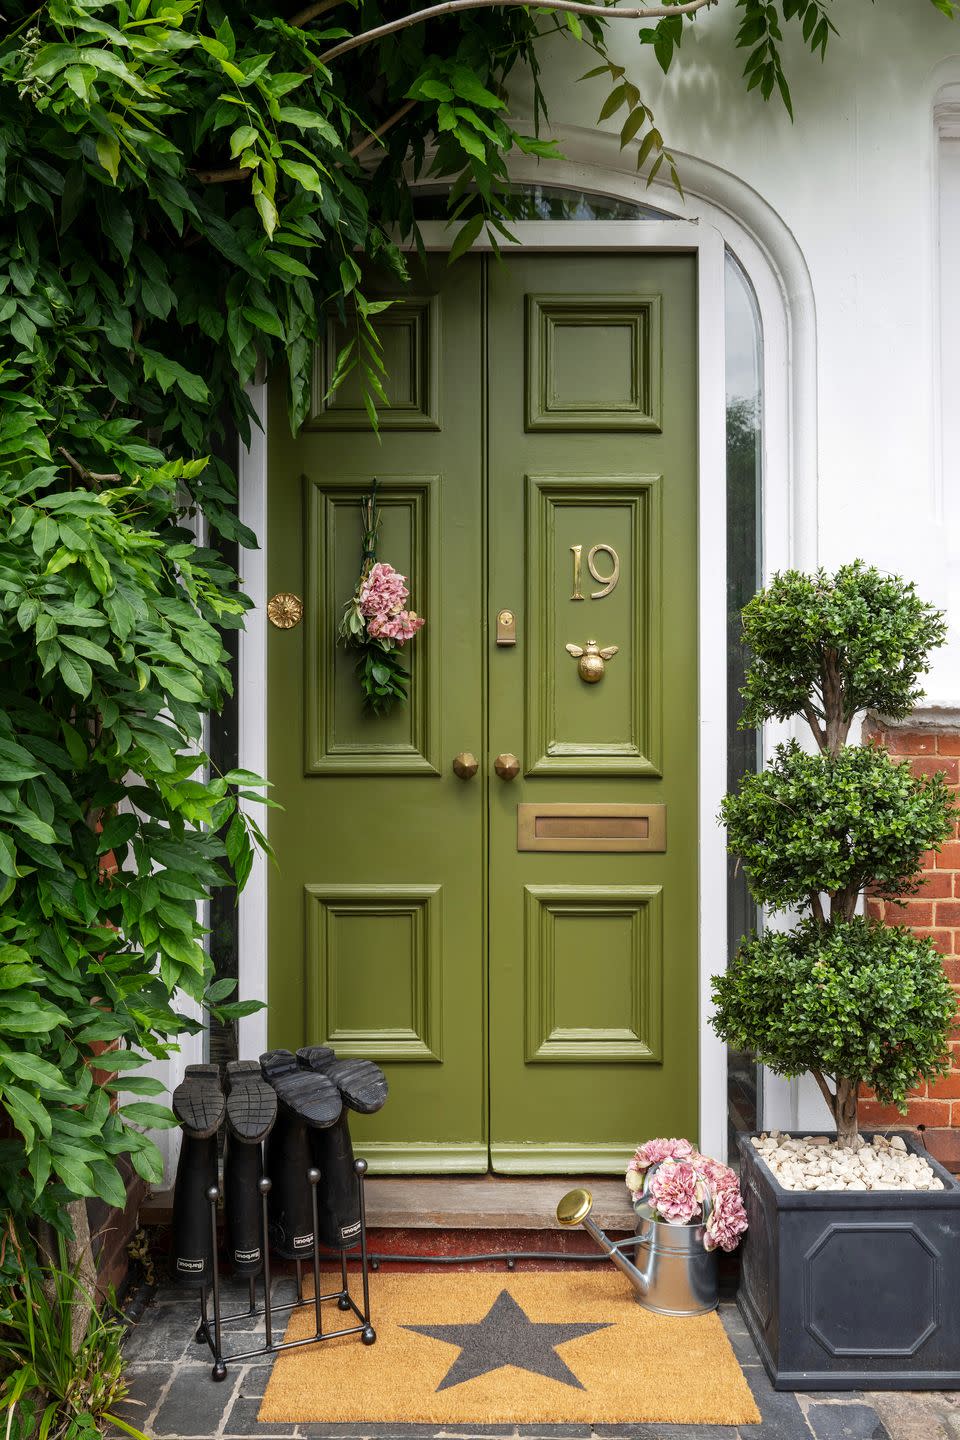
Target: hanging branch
(310,12)
(452,7)
(381,130)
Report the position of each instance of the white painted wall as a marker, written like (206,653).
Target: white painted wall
(855,179)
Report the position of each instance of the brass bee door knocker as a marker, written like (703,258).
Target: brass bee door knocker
(591,660)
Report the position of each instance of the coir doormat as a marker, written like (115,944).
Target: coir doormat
(532,1348)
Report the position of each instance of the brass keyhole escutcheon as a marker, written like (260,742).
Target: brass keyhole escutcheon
(591,660)
(284,610)
(465,765)
(507,766)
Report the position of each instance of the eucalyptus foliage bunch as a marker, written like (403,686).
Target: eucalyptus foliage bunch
(849,999)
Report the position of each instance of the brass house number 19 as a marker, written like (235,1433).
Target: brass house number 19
(608,582)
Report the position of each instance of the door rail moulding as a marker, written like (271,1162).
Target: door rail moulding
(719,211)
(417,1157)
(522,1158)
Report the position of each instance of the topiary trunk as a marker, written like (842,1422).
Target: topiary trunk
(845,1113)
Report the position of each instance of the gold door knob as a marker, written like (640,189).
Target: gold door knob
(465,765)
(507,766)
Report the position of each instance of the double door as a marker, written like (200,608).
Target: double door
(516,943)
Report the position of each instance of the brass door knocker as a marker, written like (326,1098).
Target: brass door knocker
(591,660)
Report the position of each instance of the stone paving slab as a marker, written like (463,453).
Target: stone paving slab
(173,1397)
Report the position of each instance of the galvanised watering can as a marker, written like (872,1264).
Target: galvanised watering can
(674,1274)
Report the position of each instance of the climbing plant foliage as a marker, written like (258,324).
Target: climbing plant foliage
(188,187)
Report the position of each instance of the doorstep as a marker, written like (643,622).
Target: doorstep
(483,1202)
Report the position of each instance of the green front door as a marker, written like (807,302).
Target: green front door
(519,949)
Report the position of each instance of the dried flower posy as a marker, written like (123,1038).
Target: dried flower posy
(376,621)
(676,1184)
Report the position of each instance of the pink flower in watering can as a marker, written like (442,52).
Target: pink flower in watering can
(728,1219)
(676,1192)
(653,1152)
(670,1181)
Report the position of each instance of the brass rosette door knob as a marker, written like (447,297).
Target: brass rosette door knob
(465,765)
(507,766)
(284,610)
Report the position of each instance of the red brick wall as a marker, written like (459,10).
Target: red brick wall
(934,911)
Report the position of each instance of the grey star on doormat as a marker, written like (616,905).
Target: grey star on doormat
(507,1336)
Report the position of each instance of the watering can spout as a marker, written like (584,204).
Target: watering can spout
(574,1209)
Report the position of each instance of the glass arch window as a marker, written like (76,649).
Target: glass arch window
(545,202)
(744,409)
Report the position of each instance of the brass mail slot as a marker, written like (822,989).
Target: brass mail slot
(570,826)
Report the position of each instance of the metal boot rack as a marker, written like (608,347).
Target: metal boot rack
(211,1333)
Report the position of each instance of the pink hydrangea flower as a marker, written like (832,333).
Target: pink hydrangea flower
(676,1191)
(718,1176)
(651,1152)
(400,626)
(383,592)
(728,1219)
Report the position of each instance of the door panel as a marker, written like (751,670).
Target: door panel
(593,953)
(568,732)
(377,929)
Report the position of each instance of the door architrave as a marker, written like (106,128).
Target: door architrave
(789,334)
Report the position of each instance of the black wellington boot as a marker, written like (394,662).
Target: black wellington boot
(251,1114)
(307,1102)
(363,1087)
(198,1104)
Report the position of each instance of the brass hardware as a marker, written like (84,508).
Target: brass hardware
(593,826)
(574,1208)
(591,660)
(506,628)
(284,610)
(465,765)
(507,766)
(577,552)
(609,582)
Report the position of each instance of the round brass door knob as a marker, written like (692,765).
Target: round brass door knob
(507,766)
(466,765)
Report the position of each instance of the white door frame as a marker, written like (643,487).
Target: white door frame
(770,257)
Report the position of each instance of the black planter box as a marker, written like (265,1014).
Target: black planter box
(852,1290)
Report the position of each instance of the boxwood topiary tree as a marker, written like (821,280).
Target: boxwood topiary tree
(849,999)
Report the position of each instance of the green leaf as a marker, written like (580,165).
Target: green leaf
(29,1105)
(17,763)
(117,831)
(308,120)
(144,1112)
(108,1184)
(465,237)
(108,153)
(148,1163)
(304,175)
(242,139)
(631,125)
(612,104)
(266,208)
(82,646)
(76,674)
(30,1067)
